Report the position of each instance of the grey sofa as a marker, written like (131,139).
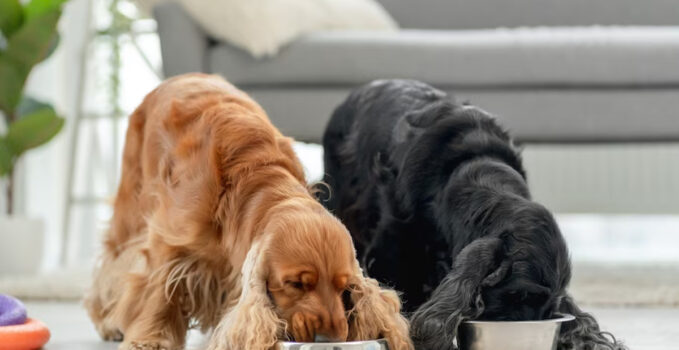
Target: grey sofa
(548,73)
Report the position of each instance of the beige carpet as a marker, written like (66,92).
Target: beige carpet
(68,284)
(626,285)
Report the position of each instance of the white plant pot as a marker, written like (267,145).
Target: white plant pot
(21,245)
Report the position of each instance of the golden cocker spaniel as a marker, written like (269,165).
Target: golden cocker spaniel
(214,227)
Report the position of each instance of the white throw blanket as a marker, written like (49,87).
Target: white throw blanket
(262,27)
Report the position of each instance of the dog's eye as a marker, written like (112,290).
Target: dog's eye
(296,284)
(346,300)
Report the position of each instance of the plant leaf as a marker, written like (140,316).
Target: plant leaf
(33,130)
(37,8)
(5,158)
(53,45)
(30,44)
(11,15)
(11,84)
(29,105)
(27,47)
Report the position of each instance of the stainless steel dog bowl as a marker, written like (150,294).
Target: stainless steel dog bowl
(379,344)
(510,335)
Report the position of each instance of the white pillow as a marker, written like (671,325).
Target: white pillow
(262,27)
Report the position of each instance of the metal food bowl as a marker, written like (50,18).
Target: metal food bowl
(379,344)
(511,335)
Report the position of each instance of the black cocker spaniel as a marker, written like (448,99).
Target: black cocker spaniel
(435,197)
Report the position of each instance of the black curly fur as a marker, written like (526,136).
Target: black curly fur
(422,181)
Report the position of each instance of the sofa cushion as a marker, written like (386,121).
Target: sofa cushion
(262,27)
(465,14)
(532,115)
(578,56)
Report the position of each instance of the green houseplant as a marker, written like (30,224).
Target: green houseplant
(28,35)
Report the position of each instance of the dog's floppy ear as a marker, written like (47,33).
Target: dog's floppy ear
(458,296)
(375,313)
(252,323)
(583,332)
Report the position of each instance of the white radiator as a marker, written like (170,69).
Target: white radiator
(597,179)
(606,178)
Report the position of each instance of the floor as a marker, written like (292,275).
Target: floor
(641,328)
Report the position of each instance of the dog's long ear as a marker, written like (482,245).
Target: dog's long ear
(583,332)
(458,296)
(252,323)
(376,313)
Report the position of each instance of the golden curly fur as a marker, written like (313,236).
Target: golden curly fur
(214,227)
